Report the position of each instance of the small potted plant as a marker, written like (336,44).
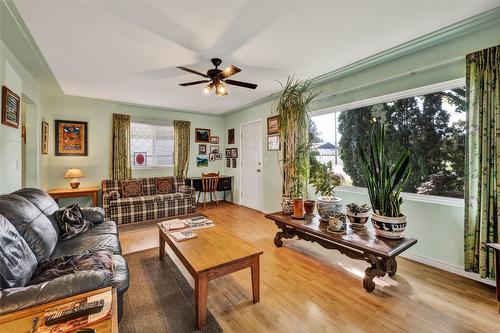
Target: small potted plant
(385,181)
(336,221)
(358,215)
(325,181)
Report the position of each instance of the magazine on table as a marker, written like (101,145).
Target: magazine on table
(84,321)
(176,224)
(196,222)
(183,235)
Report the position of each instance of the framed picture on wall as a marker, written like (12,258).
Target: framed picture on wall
(273,142)
(228,162)
(140,159)
(230,136)
(214,149)
(71,138)
(228,152)
(272,125)
(202,135)
(214,140)
(45,137)
(234,163)
(211,157)
(202,161)
(10,108)
(202,149)
(234,152)
(218,156)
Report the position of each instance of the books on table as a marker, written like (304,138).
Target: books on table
(181,229)
(183,235)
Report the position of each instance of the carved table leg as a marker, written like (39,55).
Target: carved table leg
(378,268)
(284,233)
(278,239)
(392,267)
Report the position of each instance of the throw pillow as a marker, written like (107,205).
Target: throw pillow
(71,221)
(52,268)
(113,195)
(131,188)
(165,185)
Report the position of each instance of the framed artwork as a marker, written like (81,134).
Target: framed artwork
(214,149)
(45,137)
(230,136)
(202,135)
(273,142)
(228,162)
(234,152)
(10,108)
(272,125)
(214,140)
(228,152)
(140,159)
(218,156)
(211,157)
(202,161)
(234,163)
(71,138)
(202,149)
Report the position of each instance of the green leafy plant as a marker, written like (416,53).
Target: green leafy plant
(292,108)
(325,180)
(384,180)
(358,209)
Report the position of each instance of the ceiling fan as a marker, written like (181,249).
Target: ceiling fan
(216,78)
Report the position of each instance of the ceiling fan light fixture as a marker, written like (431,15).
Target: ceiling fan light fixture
(220,90)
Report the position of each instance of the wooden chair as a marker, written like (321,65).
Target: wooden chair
(209,183)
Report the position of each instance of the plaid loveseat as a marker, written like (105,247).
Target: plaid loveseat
(148,207)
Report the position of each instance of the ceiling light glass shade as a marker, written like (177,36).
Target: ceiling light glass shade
(220,90)
(208,88)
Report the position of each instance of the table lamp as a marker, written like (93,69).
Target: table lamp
(73,174)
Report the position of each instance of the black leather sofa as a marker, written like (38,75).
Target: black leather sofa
(30,234)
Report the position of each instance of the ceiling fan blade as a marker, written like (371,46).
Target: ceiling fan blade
(241,84)
(230,70)
(193,83)
(192,71)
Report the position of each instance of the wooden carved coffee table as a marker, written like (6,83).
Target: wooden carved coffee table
(214,253)
(362,245)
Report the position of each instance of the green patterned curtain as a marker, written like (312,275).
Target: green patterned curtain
(181,150)
(482,189)
(120,148)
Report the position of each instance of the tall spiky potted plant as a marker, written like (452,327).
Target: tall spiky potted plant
(385,181)
(292,108)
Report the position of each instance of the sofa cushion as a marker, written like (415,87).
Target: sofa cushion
(31,223)
(133,201)
(171,196)
(131,188)
(91,241)
(164,185)
(17,261)
(105,228)
(120,278)
(43,201)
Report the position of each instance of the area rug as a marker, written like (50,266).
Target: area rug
(159,298)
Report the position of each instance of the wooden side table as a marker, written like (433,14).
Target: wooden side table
(62,193)
(21,321)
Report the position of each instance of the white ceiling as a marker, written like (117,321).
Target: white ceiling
(127,51)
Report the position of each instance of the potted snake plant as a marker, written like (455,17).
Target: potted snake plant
(385,181)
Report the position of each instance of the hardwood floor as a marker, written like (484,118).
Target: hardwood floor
(306,288)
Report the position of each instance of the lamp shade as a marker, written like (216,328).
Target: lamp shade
(74,173)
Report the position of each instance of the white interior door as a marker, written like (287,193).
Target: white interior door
(251,165)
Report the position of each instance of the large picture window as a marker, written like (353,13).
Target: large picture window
(431,126)
(151,145)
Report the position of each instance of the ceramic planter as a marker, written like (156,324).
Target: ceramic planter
(309,207)
(389,227)
(358,220)
(336,223)
(298,208)
(287,205)
(328,204)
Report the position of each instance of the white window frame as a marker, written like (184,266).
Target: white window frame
(153,123)
(429,89)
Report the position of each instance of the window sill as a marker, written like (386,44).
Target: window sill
(433,199)
(155,167)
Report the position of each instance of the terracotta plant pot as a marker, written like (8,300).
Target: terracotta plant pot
(298,208)
(389,227)
(309,207)
(286,205)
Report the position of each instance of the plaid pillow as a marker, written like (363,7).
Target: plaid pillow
(131,188)
(164,185)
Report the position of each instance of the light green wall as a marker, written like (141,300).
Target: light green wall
(438,227)
(98,114)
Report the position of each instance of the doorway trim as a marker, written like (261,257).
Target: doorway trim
(261,198)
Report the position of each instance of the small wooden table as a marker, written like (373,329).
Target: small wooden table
(62,193)
(362,245)
(496,247)
(224,184)
(21,321)
(214,253)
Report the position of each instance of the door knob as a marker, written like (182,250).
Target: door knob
(258,170)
